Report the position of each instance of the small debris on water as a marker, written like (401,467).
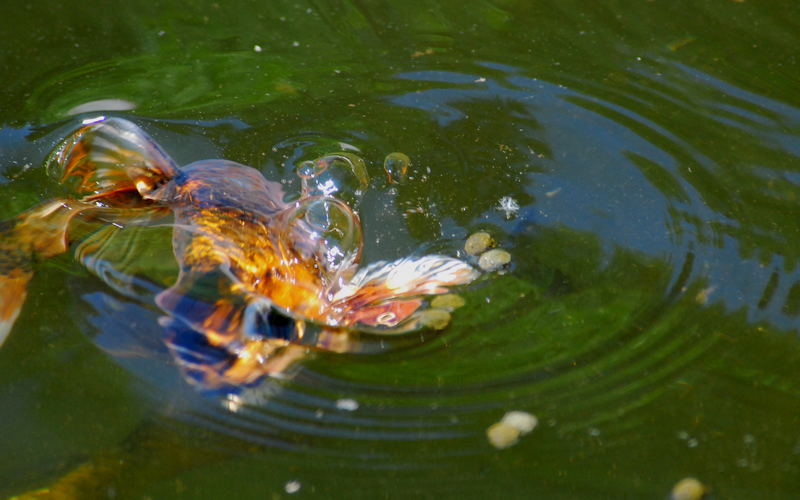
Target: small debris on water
(510,428)
(421,53)
(680,42)
(437,319)
(347,404)
(494,260)
(448,302)
(478,243)
(688,488)
(508,205)
(704,294)
(292,487)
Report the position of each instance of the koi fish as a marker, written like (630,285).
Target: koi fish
(256,272)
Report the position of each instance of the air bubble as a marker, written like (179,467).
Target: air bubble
(328,230)
(396,167)
(343,175)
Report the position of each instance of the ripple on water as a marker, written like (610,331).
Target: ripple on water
(632,260)
(639,238)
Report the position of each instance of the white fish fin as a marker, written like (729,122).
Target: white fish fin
(386,294)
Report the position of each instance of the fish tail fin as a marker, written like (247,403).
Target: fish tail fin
(40,232)
(386,295)
(104,161)
(15,273)
(13,291)
(112,156)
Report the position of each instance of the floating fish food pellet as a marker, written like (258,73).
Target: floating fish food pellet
(688,488)
(448,302)
(522,420)
(437,319)
(479,243)
(347,404)
(494,260)
(510,428)
(292,487)
(502,435)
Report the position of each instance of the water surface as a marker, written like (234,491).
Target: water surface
(650,318)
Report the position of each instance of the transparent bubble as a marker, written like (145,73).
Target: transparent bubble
(343,175)
(327,229)
(396,167)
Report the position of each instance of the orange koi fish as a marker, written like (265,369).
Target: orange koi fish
(255,271)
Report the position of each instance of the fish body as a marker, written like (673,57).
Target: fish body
(254,269)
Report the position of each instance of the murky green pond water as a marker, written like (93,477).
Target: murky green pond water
(650,319)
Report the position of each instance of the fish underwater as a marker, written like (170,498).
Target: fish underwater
(261,280)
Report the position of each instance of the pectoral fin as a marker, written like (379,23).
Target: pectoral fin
(221,339)
(213,367)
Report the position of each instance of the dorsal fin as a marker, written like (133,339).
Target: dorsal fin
(110,156)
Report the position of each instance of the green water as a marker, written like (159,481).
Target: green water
(650,319)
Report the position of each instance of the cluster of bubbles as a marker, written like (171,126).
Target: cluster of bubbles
(324,216)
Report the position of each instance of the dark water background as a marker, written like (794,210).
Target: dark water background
(651,316)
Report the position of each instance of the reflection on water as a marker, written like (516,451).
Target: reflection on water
(650,318)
